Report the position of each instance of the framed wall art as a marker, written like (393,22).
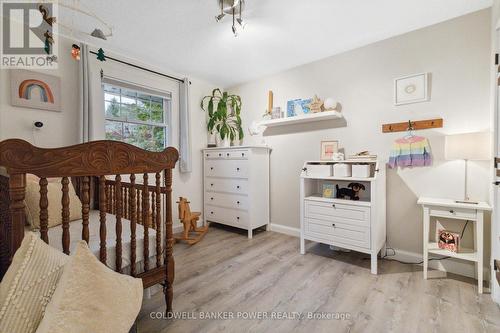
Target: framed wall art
(35,90)
(411,89)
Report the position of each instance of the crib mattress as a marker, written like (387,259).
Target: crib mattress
(75,231)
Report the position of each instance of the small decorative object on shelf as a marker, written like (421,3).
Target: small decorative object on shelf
(298,107)
(351,192)
(270,102)
(330,104)
(363,155)
(328,190)
(276,114)
(328,149)
(448,240)
(316,104)
(338,157)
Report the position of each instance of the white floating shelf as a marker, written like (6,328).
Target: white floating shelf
(307,118)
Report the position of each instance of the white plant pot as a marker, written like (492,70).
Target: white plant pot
(211,138)
(223,143)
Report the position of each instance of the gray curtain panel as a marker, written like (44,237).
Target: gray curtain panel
(184,128)
(85,95)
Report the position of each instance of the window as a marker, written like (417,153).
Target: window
(136,117)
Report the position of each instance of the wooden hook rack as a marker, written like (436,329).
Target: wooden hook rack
(412,125)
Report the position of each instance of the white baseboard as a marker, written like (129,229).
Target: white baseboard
(283,229)
(454,266)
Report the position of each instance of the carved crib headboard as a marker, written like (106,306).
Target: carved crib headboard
(86,162)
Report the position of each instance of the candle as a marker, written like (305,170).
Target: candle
(270,102)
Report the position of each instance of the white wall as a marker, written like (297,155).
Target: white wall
(456,52)
(63,128)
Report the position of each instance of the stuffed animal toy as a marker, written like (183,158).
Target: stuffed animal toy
(351,191)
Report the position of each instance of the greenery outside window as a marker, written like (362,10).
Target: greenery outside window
(136,117)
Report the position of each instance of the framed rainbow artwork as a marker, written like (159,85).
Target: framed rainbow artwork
(35,90)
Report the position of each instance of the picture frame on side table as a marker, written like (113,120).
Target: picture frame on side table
(411,89)
(328,149)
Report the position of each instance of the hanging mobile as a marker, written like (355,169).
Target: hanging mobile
(48,41)
(100,55)
(75,52)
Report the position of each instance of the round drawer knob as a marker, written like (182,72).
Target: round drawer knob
(237,169)
(211,212)
(211,184)
(211,168)
(333,205)
(237,217)
(452,211)
(211,198)
(227,154)
(333,225)
(237,186)
(208,155)
(242,154)
(238,202)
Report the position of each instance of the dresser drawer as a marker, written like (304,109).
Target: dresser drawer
(457,213)
(239,186)
(241,154)
(214,154)
(226,168)
(349,214)
(334,231)
(236,218)
(226,200)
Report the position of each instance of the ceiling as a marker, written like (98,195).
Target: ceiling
(182,36)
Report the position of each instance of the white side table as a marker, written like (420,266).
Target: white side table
(447,208)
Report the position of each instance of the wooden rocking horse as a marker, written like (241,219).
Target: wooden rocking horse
(192,234)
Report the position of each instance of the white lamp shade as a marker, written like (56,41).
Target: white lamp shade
(468,146)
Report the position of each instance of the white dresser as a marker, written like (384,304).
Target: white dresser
(356,225)
(236,186)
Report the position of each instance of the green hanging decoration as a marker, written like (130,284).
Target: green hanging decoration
(100,55)
(49,40)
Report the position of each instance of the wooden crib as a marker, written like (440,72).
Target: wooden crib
(89,167)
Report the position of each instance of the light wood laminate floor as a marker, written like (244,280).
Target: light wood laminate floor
(228,273)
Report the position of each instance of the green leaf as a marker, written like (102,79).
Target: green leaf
(240,133)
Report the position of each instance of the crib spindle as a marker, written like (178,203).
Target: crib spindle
(145,220)
(118,226)
(44,213)
(65,214)
(153,211)
(158,220)
(133,221)
(85,208)
(139,207)
(103,200)
(169,258)
(125,203)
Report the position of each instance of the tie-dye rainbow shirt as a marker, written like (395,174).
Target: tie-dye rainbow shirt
(407,152)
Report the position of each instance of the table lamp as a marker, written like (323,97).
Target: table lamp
(468,147)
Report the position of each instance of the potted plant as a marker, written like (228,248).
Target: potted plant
(223,116)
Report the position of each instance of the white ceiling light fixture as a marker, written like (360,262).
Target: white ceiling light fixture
(232,7)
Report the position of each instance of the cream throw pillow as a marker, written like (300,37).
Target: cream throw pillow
(90,297)
(28,284)
(54,195)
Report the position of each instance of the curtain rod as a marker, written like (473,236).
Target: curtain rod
(143,68)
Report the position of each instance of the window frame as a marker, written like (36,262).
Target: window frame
(166,102)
